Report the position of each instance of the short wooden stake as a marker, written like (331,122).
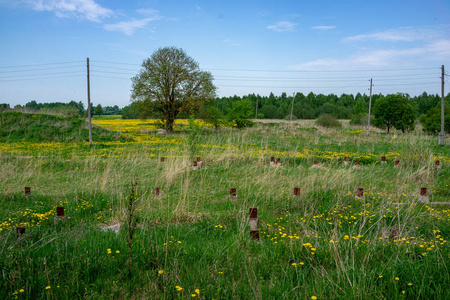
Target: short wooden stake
(397,163)
(199,161)
(156,191)
(233,193)
(278,162)
(346,162)
(195,166)
(20,231)
(253,222)
(254,234)
(162,159)
(316,162)
(272,161)
(357,164)
(296,192)
(27,191)
(59,215)
(360,193)
(383,160)
(253,219)
(438,165)
(423,195)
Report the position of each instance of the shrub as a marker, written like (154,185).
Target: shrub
(356,119)
(328,121)
(431,121)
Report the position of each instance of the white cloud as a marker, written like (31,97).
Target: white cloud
(403,34)
(438,51)
(129,27)
(282,26)
(84,9)
(231,43)
(324,27)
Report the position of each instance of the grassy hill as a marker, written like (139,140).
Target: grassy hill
(20,127)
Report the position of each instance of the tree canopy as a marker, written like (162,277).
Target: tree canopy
(170,82)
(394,111)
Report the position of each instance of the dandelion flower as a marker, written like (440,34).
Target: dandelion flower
(21,290)
(314,297)
(194,295)
(396,278)
(48,287)
(117,251)
(179,288)
(161,271)
(410,284)
(197,291)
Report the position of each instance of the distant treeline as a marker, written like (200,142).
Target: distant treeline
(71,108)
(309,106)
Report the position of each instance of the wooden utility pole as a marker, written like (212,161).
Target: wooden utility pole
(442,133)
(292,107)
(256,113)
(89,102)
(370,107)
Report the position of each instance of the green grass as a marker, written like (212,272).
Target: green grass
(325,243)
(17,127)
(107,117)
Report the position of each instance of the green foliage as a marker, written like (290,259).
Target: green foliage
(431,121)
(131,111)
(240,114)
(98,110)
(356,119)
(394,111)
(170,82)
(15,127)
(214,116)
(328,121)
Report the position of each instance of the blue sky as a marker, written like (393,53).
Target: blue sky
(248,46)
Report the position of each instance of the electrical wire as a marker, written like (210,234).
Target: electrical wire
(35,65)
(46,74)
(7,80)
(45,69)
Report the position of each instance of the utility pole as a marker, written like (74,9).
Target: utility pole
(256,113)
(89,102)
(292,107)
(442,133)
(370,106)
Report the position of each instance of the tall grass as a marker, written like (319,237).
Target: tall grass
(193,240)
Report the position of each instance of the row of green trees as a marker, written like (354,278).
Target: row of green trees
(71,108)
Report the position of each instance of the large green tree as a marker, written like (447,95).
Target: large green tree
(394,111)
(170,82)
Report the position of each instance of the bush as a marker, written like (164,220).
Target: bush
(242,123)
(360,119)
(328,121)
(288,117)
(431,121)
(356,119)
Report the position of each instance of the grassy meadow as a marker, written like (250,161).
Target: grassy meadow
(193,240)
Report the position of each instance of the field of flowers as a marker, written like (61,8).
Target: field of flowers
(193,239)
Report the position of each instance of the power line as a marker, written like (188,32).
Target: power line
(322,71)
(35,65)
(27,79)
(115,63)
(35,75)
(34,70)
(326,78)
